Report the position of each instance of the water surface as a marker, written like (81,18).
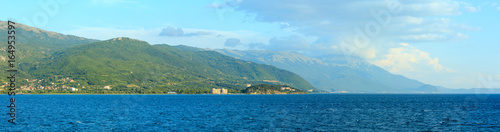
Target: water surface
(314,112)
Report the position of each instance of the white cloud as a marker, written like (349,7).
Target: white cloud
(173,31)
(273,11)
(494,4)
(232,42)
(461,36)
(408,59)
(224,4)
(289,43)
(435,37)
(424,37)
(334,21)
(470,8)
(465,27)
(413,20)
(432,8)
(352,48)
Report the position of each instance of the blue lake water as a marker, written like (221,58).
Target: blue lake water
(314,112)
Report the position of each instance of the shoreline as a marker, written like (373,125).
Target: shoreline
(140,94)
(272,94)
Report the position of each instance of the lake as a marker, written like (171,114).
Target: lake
(313,112)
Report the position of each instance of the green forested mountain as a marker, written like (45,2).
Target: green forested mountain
(127,64)
(51,62)
(32,45)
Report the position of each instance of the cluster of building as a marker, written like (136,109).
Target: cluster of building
(218,91)
(287,88)
(34,84)
(31,87)
(108,87)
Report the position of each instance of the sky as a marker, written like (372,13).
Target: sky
(445,43)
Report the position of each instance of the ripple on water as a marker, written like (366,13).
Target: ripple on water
(336,112)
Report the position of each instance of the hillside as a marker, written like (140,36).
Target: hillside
(126,64)
(334,73)
(50,62)
(33,45)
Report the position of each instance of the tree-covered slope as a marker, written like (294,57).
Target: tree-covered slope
(33,45)
(125,64)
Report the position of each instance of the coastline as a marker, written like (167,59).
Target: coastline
(144,94)
(272,94)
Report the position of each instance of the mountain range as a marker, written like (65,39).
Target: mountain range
(55,61)
(50,60)
(344,74)
(335,73)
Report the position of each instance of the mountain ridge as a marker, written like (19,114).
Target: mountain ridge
(335,76)
(39,46)
(63,63)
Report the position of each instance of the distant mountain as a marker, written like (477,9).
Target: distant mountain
(469,90)
(335,73)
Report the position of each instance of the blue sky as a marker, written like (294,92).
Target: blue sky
(446,43)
